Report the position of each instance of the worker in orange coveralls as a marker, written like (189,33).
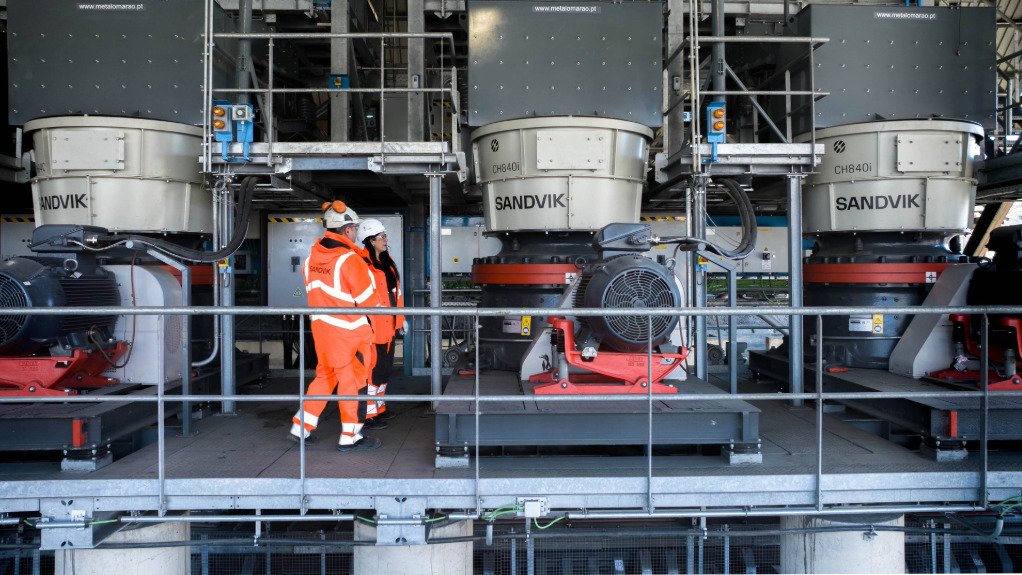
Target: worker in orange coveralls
(373,236)
(337,276)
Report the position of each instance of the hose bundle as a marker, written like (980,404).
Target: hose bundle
(749,229)
(237,234)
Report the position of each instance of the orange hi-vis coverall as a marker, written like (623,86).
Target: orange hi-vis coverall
(336,275)
(384,329)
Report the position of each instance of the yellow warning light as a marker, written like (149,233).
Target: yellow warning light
(218,124)
(219,112)
(718,113)
(718,126)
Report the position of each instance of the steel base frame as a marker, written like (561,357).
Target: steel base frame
(80,430)
(942,422)
(85,431)
(590,423)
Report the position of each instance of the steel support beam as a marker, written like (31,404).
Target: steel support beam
(227,369)
(699,275)
(416,275)
(416,71)
(795,353)
(435,283)
(717,76)
(243,61)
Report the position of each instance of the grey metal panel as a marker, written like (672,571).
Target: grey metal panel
(395,117)
(290,238)
(15,235)
(462,243)
(894,62)
(122,59)
(289,244)
(556,58)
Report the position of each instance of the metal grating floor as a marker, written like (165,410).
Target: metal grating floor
(253,444)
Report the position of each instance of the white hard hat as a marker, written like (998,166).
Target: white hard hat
(368,229)
(337,215)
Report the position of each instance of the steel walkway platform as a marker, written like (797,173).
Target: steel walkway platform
(247,462)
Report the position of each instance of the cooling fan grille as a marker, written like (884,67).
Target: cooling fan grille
(638,288)
(11,296)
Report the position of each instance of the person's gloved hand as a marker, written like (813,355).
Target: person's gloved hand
(404,328)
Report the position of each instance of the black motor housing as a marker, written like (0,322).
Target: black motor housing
(44,282)
(628,281)
(997,283)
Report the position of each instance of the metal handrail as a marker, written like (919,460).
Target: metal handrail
(478,400)
(270,90)
(816,41)
(501,311)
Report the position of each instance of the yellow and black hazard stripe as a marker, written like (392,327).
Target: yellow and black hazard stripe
(277,220)
(17,219)
(662,218)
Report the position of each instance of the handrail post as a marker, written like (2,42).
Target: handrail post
(650,507)
(268,120)
(186,339)
(478,462)
(984,438)
(303,501)
(819,413)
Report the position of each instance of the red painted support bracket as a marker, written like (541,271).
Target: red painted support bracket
(609,372)
(57,376)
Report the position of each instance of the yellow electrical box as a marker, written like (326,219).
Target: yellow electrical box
(526,325)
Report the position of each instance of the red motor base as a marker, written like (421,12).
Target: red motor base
(611,372)
(963,333)
(56,376)
(996,382)
(1011,324)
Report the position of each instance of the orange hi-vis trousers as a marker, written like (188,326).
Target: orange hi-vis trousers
(349,379)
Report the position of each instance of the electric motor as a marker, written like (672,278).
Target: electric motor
(628,281)
(37,282)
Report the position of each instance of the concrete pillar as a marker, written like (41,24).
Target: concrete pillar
(148,560)
(432,559)
(855,551)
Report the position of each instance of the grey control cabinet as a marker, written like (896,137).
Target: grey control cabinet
(289,240)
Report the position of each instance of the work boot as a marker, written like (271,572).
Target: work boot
(375,423)
(365,444)
(295,439)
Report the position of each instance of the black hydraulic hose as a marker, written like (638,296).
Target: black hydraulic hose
(748,214)
(199,256)
(749,229)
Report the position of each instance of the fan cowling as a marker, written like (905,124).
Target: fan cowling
(628,281)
